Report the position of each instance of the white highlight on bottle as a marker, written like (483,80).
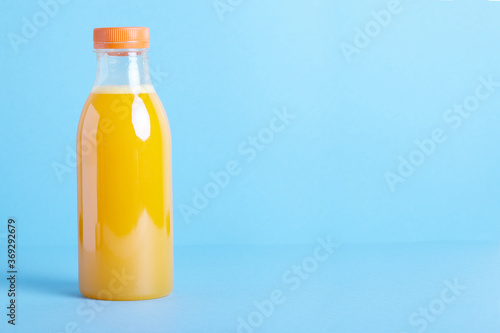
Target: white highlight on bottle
(140,119)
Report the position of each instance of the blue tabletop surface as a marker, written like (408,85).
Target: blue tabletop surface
(431,287)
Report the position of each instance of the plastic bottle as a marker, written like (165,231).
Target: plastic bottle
(125,238)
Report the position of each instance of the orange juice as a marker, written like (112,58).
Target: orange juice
(124,193)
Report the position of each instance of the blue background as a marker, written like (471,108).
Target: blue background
(220,80)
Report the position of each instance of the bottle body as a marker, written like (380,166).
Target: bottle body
(124,191)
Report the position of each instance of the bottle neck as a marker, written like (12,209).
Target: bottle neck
(122,68)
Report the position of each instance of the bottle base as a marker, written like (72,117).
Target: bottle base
(108,296)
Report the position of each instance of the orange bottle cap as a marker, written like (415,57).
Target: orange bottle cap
(121,38)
